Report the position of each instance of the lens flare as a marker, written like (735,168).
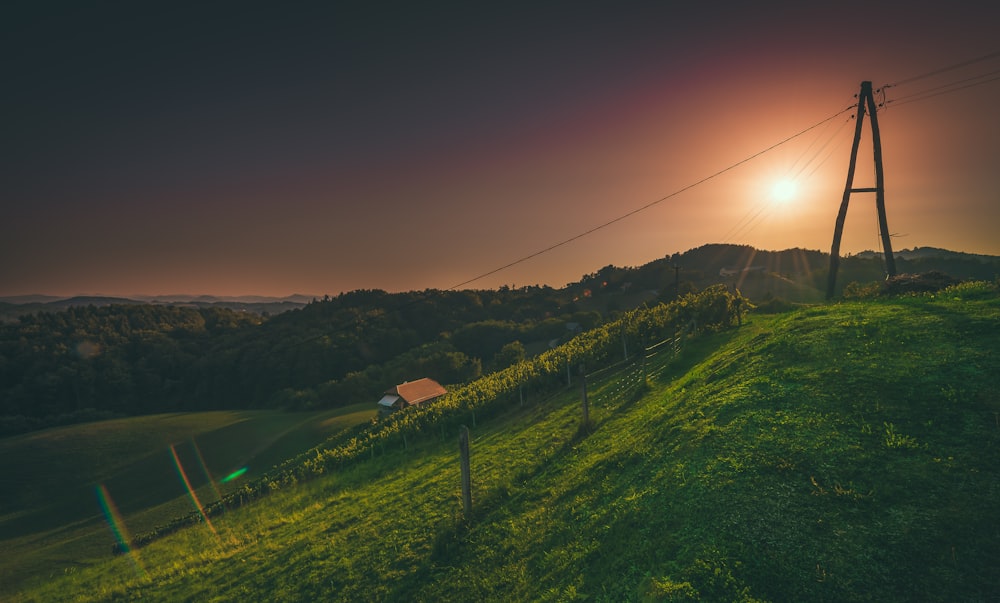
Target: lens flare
(117,525)
(204,468)
(191,492)
(235,474)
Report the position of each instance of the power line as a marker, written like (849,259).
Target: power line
(817,152)
(690,186)
(916,96)
(747,225)
(646,206)
(591,230)
(748,222)
(751,157)
(826,144)
(914,78)
(948,85)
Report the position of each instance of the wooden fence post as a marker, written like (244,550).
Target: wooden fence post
(645,352)
(463,449)
(583,393)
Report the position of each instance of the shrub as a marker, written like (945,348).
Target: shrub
(856,290)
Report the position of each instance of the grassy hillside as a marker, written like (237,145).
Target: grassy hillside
(846,452)
(50,507)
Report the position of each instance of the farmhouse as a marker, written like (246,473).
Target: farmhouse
(410,393)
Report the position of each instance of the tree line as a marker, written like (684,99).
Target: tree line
(95,362)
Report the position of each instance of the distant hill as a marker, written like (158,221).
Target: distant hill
(88,300)
(797,275)
(296,298)
(18,305)
(264,308)
(923,253)
(120,355)
(30,299)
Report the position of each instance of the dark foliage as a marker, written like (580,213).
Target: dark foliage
(144,358)
(147,358)
(926,282)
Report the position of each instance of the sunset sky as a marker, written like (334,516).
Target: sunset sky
(270,149)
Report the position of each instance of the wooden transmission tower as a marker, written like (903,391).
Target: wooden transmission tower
(865,99)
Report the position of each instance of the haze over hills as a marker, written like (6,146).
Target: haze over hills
(794,275)
(707,258)
(14,306)
(295,298)
(929,252)
(76,300)
(64,360)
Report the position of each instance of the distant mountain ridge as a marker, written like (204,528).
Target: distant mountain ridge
(295,298)
(38,298)
(14,306)
(919,253)
(796,274)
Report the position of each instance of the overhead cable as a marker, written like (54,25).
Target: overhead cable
(943,89)
(985,57)
(646,206)
(754,217)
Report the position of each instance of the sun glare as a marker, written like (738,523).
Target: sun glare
(784,191)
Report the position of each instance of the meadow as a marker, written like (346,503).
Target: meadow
(60,484)
(839,452)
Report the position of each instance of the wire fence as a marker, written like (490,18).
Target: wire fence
(620,382)
(535,382)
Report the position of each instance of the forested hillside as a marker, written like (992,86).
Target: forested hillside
(88,362)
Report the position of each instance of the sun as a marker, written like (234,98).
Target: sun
(784,190)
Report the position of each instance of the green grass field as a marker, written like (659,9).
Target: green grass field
(843,452)
(52,517)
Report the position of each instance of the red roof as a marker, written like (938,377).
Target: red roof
(421,390)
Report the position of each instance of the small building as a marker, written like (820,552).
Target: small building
(410,393)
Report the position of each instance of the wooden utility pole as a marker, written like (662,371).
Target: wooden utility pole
(866,99)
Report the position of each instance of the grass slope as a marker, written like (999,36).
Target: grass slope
(50,516)
(847,452)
